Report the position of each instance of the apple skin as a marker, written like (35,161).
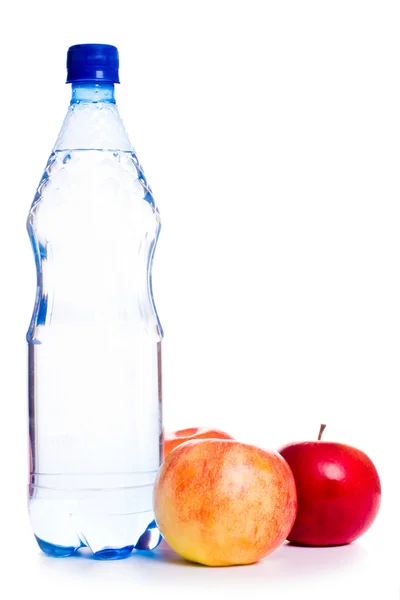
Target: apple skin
(219,502)
(338,491)
(175,438)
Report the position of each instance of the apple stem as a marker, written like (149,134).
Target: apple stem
(321,431)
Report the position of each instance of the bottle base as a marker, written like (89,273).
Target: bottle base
(55,550)
(149,540)
(103,516)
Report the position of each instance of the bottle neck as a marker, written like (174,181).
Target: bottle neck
(92,92)
(92,121)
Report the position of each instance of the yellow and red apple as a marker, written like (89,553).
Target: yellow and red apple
(176,438)
(221,502)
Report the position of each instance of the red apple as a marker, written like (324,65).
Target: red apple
(176,438)
(338,491)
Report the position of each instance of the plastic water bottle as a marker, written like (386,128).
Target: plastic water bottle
(95,339)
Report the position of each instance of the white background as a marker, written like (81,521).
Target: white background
(270,133)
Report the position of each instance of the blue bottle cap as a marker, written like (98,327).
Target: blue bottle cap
(96,63)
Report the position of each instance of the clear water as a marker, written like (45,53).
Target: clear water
(94,352)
